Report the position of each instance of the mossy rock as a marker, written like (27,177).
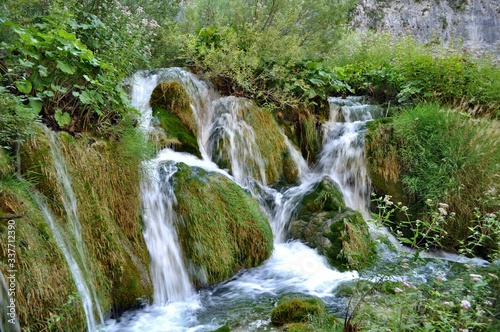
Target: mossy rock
(297,309)
(221,228)
(269,143)
(172,97)
(323,222)
(223,328)
(171,105)
(351,244)
(325,195)
(313,213)
(109,215)
(176,134)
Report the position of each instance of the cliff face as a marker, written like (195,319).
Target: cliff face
(476,23)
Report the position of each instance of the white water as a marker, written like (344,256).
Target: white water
(161,238)
(70,206)
(78,276)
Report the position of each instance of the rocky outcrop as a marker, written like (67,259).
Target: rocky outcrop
(475,22)
(322,221)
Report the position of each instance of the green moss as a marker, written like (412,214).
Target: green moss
(177,133)
(351,244)
(109,213)
(324,196)
(223,328)
(222,228)
(171,105)
(172,97)
(297,309)
(45,283)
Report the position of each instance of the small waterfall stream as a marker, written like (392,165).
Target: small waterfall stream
(87,288)
(77,273)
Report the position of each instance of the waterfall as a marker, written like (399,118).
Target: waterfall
(168,272)
(223,133)
(78,276)
(242,150)
(342,156)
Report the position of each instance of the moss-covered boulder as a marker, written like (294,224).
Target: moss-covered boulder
(297,308)
(322,221)
(221,227)
(267,149)
(108,206)
(171,106)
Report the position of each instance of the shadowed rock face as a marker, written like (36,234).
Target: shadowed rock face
(475,22)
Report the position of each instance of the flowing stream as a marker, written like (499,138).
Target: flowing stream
(293,267)
(245,300)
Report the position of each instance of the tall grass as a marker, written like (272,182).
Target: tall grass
(446,156)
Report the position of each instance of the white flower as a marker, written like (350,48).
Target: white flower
(398,290)
(475,277)
(465,304)
(442,211)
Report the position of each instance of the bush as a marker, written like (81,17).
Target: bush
(444,156)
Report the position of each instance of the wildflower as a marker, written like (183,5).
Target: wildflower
(442,211)
(491,215)
(404,208)
(398,290)
(493,275)
(405,266)
(448,303)
(406,283)
(475,277)
(488,303)
(428,201)
(443,205)
(463,330)
(465,304)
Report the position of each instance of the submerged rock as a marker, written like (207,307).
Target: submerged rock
(221,228)
(323,221)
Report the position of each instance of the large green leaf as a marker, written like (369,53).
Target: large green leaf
(62,118)
(85,97)
(66,68)
(36,105)
(24,86)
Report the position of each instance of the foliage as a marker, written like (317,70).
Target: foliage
(257,49)
(458,297)
(403,70)
(441,155)
(16,122)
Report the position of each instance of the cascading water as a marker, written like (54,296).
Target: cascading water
(78,276)
(168,273)
(343,154)
(70,206)
(293,266)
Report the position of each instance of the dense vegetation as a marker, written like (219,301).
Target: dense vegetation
(63,63)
